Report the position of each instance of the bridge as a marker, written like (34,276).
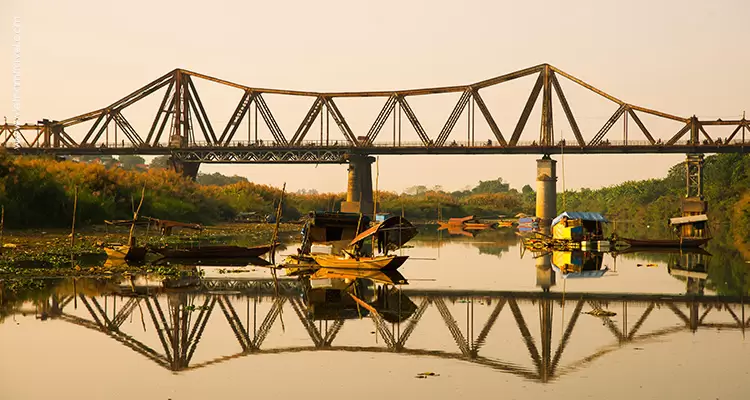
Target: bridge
(479,327)
(183,129)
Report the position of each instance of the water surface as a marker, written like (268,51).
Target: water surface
(488,319)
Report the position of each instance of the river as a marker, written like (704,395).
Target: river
(479,317)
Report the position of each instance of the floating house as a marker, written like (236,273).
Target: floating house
(578,226)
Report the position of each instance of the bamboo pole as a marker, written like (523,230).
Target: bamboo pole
(73,225)
(274,242)
(2,223)
(135,216)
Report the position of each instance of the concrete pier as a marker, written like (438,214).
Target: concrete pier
(546,190)
(545,275)
(359,185)
(187,169)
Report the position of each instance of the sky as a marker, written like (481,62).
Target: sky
(681,57)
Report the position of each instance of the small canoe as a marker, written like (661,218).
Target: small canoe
(685,242)
(125,252)
(212,252)
(379,263)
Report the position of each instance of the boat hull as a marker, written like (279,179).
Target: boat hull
(127,253)
(214,252)
(673,243)
(386,263)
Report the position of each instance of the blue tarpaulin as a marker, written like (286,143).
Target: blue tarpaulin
(584,216)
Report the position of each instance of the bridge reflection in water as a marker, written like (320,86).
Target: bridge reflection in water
(174,322)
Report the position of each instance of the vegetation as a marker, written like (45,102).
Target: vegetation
(38,192)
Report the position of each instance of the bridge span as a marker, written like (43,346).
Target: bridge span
(183,129)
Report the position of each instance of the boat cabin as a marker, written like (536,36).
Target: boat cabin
(332,228)
(578,226)
(690,227)
(578,264)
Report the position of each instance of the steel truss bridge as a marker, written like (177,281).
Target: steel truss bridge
(182,128)
(252,309)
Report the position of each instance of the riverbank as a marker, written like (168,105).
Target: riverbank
(47,253)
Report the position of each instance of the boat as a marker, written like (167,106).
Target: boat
(125,252)
(672,243)
(378,263)
(210,252)
(391,234)
(691,232)
(390,277)
(466,223)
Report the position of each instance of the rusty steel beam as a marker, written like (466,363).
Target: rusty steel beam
(705,134)
(453,118)
(414,121)
(380,120)
(607,126)
(527,109)
(270,121)
(641,126)
(236,118)
(566,109)
(488,117)
(679,134)
(308,121)
(200,113)
(339,119)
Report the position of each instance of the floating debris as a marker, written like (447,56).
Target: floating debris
(423,375)
(601,313)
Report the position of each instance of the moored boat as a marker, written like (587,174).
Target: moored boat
(684,242)
(378,263)
(214,252)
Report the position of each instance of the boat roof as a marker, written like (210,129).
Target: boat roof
(688,220)
(387,224)
(584,216)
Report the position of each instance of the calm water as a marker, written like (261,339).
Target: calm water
(489,320)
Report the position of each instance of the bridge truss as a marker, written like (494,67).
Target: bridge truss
(182,127)
(179,320)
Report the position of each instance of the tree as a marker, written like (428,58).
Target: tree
(415,190)
(218,179)
(161,162)
(526,189)
(131,162)
(494,186)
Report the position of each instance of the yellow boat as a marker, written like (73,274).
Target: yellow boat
(378,263)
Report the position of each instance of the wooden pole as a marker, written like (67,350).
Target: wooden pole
(135,216)
(73,225)
(2,223)
(274,240)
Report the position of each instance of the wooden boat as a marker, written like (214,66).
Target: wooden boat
(391,277)
(391,234)
(378,263)
(125,252)
(212,252)
(672,243)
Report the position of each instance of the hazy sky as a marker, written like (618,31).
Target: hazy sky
(682,57)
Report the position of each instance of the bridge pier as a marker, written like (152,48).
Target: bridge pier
(546,190)
(545,275)
(693,203)
(359,185)
(186,169)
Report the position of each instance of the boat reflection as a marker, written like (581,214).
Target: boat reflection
(172,322)
(578,264)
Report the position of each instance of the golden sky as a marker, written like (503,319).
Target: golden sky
(680,57)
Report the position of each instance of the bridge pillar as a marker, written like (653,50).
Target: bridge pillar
(693,203)
(545,275)
(546,190)
(359,185)
(187,169)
